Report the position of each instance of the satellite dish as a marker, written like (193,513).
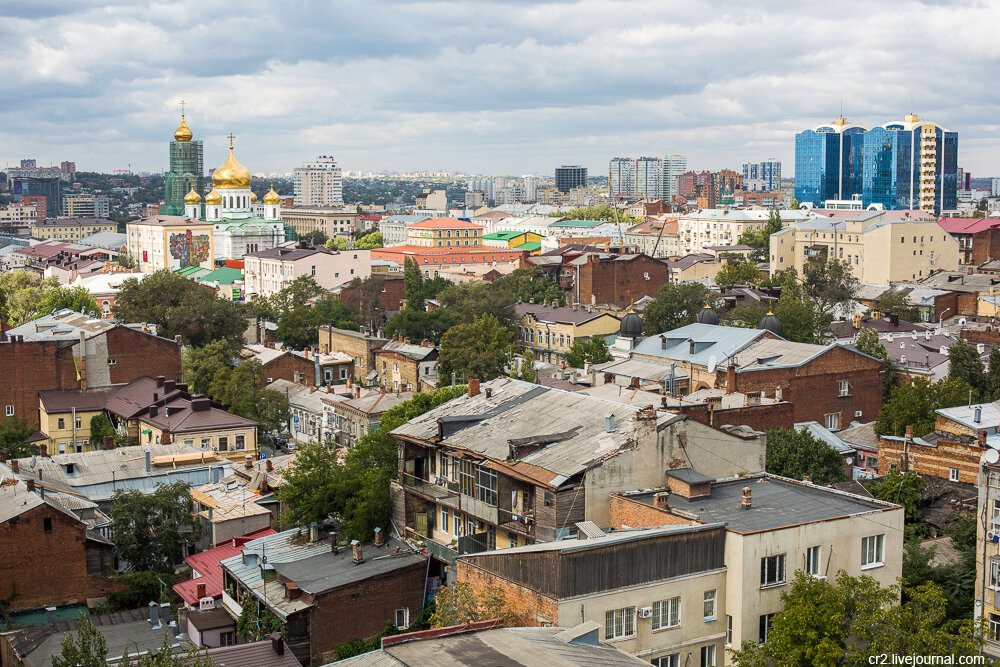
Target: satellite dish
(850,460)
(991,456)
(712,363)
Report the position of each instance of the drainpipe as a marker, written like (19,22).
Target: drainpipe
(74,427)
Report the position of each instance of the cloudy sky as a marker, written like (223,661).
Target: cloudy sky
(487,87)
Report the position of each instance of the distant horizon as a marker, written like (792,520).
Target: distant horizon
(483,88)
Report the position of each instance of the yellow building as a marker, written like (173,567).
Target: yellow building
(510,239)
(195,423)
(987,587)
(444,233)
(71,229)
(549,331)
(64,417)
(898,245)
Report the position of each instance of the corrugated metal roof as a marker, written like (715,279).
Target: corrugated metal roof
(769,352)
(710,341)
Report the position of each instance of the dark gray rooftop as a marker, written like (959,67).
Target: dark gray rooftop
(776,503)
(689,476)
(328,570)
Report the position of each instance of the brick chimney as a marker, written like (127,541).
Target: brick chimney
(277,643)
(31,485)
(731,378)
(745,501)
(248,462)
(661,500)
(473,387)
(379,537)
(909,432)
(15,467)
(200,590)
(356,550)
(269,465)
(43,450)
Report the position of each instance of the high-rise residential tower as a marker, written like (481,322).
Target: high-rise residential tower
(569,177)
(674,167)
(762,176)
(319,183)
(636,178)
(187,170)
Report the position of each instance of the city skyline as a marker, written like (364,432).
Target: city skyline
(562,83)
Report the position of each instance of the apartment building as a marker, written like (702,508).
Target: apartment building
(549,331)
(899,245)
(319,183)
(20,214)
(656,238)
(267,272)
(354,417)
(432,200)
(987,587)
(444,233)
(402,366)
(86,206)
(64,418)
(330,220)
(171,242)
(719,226)
(71,229)
(513,463)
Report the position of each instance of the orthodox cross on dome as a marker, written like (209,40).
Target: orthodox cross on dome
(182,103)
(231,136)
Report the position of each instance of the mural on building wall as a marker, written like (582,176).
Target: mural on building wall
(189,248)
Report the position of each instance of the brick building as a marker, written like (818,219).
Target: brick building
(68,350)
(619,279)
(41,538)
(374,297)
(359,346)
(402,366)
(305,367)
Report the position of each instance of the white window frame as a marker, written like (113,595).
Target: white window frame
(952,474)
(872,551)
(672,660)
(619,624)
(709,605)
(813,556)
(406,618)
(729,630)
(845,388)
(777,569)
(445,520)
(9,411)
(832,420)
(667,614)
(994,575)
(708,656)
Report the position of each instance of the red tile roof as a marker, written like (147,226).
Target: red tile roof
(968,225)
(207,564)
(447,256)
(445,223)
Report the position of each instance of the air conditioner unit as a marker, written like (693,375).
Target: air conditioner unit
(857,413)
(646,612)
(992,536)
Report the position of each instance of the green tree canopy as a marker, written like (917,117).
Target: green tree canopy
(904,489)
(200,364)
(991,383)
(338,243)
(893,302)
(315,237)
(460,603)
(831,285)
(914,404)
(413,281)
(468,301)
(243,391)
(673,306)
(603,212)
(795,454)
(800,322)
(25,296)
(593,350)
(738,271)
(88,648)
(964,364)
(760,239)
(179,306)
(369,241)
(527,372)
(483,350)
(419,324)
(151,531)
(868,343)
(531,283)
(14,434)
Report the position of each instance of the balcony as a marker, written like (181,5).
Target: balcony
(445,493)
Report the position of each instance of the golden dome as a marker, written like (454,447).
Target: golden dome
(183,133)
(213,197)
(253,197)
(231,174)
(192,197)
(272,197)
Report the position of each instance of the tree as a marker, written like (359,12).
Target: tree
(760,239)
(420,324)
(314,238)
(964,364)
(991,383)
(468,301)
(413,281)
(299,328)
(867,342)
(338,243)
(673,306)
(913,404)
(531,283)
(363,299)
(88,649)
(738,271)
(25,297)
(593,350)
(460,603)
(165,657)
(483,349)
(902,488)
(75,298)
(898,304)
(178,306)
(201,364)
(100,428)
(14,434)
(855,621)
(125,259)
(369,241)
(331,310)
(527,372)
(253,625)
(794,206)
(151,531)
(603,212)
(830,284)
(795,454)
(243,391)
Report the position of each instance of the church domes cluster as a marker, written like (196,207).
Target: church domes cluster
(231,174)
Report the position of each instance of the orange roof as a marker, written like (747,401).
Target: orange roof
(445,223)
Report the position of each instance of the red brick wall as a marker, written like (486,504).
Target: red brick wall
(533,607)
(137,354)
(631,513)
(394,291)
(759,417)
(620,282)
(27,368)
(985,246)
(285,367)
(932,461)
(361,610)
(47,569)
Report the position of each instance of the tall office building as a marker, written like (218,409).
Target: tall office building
(49,187)
(911,164)
(675,165)
(828,162)
(187,170)
(319,183)
(908,164)
(569,177)
(530,184)
(762,176)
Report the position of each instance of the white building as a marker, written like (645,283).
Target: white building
(319,183)
(267,272)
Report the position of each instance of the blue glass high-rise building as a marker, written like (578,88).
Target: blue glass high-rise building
(908,164)
(828,162)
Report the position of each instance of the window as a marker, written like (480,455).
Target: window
(996,508)
(832,420)
(456,522)
(729,630)
(313,268)
(994,574)
(206,443)
(708,606)
(9,411)
(871,551)
(227,638)
(241,442)
(772,570)
(953,474)
(619,623)
(62,423)
(994,627)
(766,625)
(223,444)
(845,388)
(79,422)
(667,613)
(812,561)
(47,524)
(487,485)
(672,660)
(444,519)
(708,656)
(402,618)
(466,478)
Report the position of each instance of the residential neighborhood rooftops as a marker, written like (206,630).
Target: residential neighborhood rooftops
(58,401)
(699,343)
(376,403)
(445,223)
(988,414)
(68,324)
(206,563)
(292,251)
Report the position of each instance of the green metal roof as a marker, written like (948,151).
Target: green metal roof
(503,236)
(190,270)
(578,223)
(223,276)
(530,246)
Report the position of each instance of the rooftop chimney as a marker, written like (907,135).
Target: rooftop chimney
(661,500)
(314,532)
(977,414)
(356,549)
(160,380)
(43,450)
(334,547)
(473,387)
(248,461)
(31,485)
(379,537)
(154,615)
(609,422)
(269,465)
(277,643)
(745,500)
(149,462)
(15,467)
(690,346)
(909,432)
(200,590)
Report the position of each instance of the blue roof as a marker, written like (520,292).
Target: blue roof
(709,341)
